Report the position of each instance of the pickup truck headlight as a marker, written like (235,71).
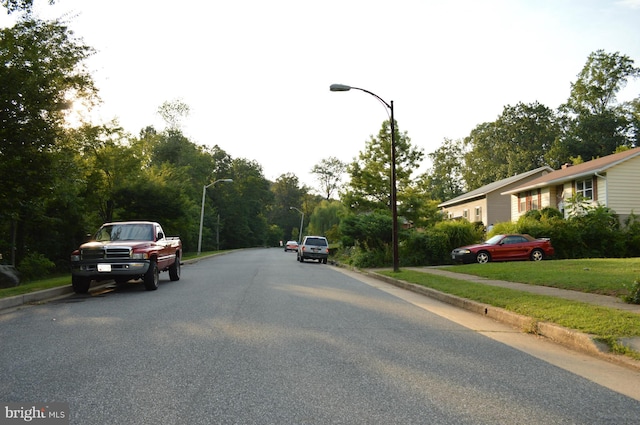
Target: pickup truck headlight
(75,258)
(140,256)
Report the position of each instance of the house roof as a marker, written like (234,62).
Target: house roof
(586,169)
(492,187)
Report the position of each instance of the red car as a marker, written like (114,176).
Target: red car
(291,246)
(505,248)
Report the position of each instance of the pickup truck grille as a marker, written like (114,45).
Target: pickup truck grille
(106,253)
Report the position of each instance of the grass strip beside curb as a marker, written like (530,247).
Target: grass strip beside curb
(606,324)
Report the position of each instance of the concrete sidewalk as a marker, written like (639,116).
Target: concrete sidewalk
(595,299)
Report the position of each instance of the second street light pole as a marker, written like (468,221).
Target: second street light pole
(204,192)
(301,223)
(394,205)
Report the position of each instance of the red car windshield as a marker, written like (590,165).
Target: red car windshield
(494,240)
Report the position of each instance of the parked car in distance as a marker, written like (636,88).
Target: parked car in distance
(314,248)
(291,246)
(505,248)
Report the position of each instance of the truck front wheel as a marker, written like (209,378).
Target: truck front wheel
(152,277)
(80,284)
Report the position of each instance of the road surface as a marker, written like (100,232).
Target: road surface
(255,337)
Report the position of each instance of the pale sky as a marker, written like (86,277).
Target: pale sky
(256,73)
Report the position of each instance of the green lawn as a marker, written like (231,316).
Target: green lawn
(597,275)
(606,324)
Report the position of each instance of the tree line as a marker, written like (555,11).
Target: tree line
(59,182)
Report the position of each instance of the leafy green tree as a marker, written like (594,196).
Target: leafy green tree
(41,72)
(329,174)
(443,180)
(19,5)
(110,164)
(243,210)
(370,185)
(481,167)
(632,109)
(515,143)
(287,193)
(595,124)
(325,219)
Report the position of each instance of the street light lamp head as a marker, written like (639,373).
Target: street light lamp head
(226,180)
(339,87)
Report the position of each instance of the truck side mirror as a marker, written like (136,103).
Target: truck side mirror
(160,235)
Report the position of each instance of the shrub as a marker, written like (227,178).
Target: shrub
(370,258)
(634,293)
(459,233)
(503,227)
(631,236)
(35,266)
(600,233)
(372,231)
(425,248)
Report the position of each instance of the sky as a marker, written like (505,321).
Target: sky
(256,74)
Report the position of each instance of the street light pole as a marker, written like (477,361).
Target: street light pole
(301,223)
(204,192)
(394,205)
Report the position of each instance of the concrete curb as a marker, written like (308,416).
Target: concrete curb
(569,338)
(34,297)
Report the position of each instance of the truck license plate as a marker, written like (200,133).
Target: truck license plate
(104,267)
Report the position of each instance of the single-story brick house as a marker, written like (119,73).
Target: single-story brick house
(612,181)
(486,204)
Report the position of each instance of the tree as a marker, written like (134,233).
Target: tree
(326,219)
(172,112)
(443,180)
(41,72)
(595,124)
(109,165)
(634,118)
(287,193)
(599,82)
(19,5)
(243,210)
(515,143)
(329,174)
(370,185)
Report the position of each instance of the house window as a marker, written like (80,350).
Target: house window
(528,201)
(522,198)
(478,214)
(465,214)
(585,188)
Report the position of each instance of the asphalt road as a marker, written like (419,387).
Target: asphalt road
(254,337)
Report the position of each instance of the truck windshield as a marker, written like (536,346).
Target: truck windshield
(125,232)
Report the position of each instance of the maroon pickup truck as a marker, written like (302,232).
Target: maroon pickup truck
(123,251)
